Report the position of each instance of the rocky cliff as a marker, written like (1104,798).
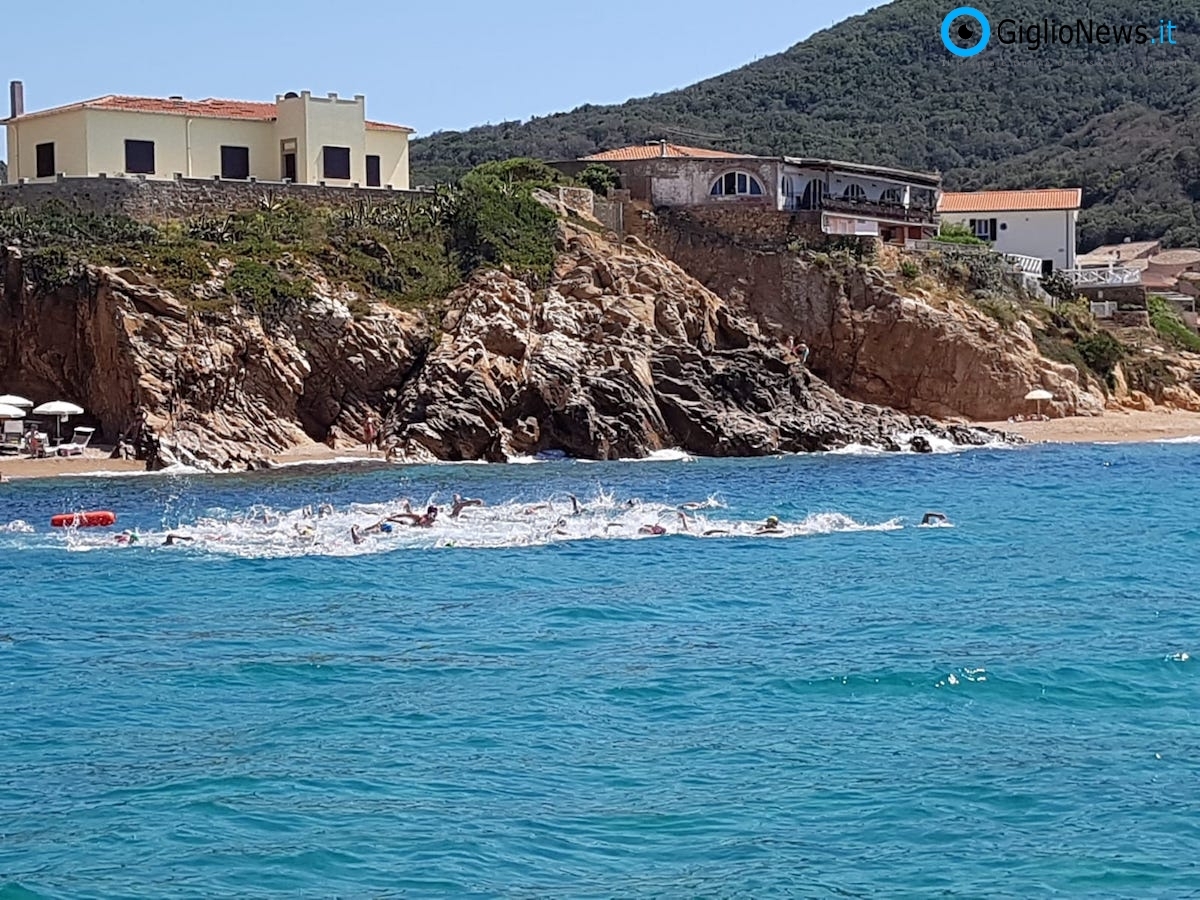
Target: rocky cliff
(621,353)
(880,341)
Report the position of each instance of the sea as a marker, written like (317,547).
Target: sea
(533,701)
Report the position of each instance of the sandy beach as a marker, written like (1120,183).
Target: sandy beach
(22,467)
(1123,426)
(98,460)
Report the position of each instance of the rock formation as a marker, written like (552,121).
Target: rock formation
(874,343)
(622,353)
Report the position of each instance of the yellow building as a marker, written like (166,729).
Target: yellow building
(306,139)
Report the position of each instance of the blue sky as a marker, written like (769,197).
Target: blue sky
(444,64)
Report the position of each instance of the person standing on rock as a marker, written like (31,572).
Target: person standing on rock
(802,352)
(370,431)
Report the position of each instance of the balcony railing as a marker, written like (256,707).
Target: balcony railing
(869,209)
(1112,276)
(1029,265)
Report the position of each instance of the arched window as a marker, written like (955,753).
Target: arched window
(854,193)
(891,197)
(736,184)
(813,192)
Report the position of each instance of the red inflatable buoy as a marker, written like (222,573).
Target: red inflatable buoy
(83,519)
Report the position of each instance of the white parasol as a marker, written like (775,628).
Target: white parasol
(8,411)
(1039,395)
(14,400)
(60,408)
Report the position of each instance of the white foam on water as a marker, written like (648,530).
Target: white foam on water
(331,461)
(670,455)
(17,526)
(261,532)
(1188,439)
(857,450)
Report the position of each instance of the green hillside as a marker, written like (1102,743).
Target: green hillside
(1123,122)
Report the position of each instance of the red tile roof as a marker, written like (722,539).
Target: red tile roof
(655,151)
(211,108)
(1011,201)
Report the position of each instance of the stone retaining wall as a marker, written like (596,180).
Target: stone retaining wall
(156,200)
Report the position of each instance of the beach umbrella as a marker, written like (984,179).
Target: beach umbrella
(8,411)
(14,400)
(61,409)
(1039,395)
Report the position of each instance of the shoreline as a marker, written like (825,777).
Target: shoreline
(1115,426)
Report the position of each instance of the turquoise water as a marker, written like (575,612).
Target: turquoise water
(1007,708)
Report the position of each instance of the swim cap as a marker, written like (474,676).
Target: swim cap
(772,520)
(385,528)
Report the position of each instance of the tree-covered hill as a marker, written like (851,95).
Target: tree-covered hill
(1122,121)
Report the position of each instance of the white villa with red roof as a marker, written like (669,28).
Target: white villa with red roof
(298,137)
(1034,223)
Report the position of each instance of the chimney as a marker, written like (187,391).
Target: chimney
(16,99)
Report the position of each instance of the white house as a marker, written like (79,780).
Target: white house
(1037,223)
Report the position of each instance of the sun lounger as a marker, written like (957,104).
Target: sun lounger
(12,436)
(79,441)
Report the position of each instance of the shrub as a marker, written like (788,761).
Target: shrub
(501,225)
(1101,351)
(1001,310)
(1165,319)
(956,233)
(909,269)
(1059,286)
(600,178)
(266,290)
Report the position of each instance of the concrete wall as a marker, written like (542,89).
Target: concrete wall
(291,124)
(209,135)
(672,181)
(158,199)
(1047,235)
(68,133)
(107,131)
(334,122)
(392,149)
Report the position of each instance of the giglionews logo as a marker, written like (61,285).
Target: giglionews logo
(979,28)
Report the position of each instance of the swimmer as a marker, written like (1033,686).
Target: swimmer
(770,526)
(530,510)
(355,534)
(305,531)
(325,509)
(654,529)
(425,520)
(560,528)
(576,509)
(935,518)
(173,538)
(693,505)
(709,531)
(127,537)
(461,503)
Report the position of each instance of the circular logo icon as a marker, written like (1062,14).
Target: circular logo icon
(981,28)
